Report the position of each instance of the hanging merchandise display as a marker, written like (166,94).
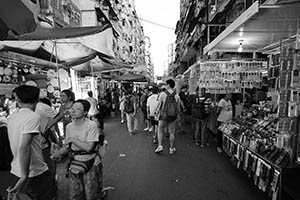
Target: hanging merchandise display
(221,77)
(14,73)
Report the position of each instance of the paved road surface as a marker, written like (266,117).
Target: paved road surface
(193,173)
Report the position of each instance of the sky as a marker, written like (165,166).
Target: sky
(164,12)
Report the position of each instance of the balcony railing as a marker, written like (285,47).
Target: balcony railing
(220,6)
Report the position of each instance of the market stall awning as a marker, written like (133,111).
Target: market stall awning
(61,33)
(257,27)
(101,64)
(68,49)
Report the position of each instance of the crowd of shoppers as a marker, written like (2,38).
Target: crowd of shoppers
(34,126)
(166,112)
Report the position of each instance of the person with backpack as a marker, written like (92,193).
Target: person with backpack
(201,107)
(130,108)
(168,109)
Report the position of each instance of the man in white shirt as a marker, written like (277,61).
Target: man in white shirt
(152,103)
(224,113)
(163,122)
(25,141)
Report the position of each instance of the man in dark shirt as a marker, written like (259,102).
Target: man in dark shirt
(183,94)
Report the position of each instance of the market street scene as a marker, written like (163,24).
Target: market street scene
(144,100)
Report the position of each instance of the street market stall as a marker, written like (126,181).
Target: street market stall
(264,140)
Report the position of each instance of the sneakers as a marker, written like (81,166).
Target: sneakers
(122,121)
(146,129)
(159,149)
(151,129)
(172,151)
(197,143)
(204,145)
(219,150)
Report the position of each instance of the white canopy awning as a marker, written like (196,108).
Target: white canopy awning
(71,48)
(258,27)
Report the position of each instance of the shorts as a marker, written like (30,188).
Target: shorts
(153,121)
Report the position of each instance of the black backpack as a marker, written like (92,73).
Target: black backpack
(199,110)
(128,104)
(170,109)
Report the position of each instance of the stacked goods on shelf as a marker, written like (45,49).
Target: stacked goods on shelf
(252,145)
(259,136)
(221,77)
(289,98)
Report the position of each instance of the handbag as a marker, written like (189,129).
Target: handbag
(81,167)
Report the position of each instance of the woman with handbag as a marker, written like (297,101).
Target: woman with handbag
(85,168)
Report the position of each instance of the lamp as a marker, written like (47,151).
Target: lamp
(240,49)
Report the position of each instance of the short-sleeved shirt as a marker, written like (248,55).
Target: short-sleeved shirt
(152,103)
(21,122)
(86,132)
(226,111)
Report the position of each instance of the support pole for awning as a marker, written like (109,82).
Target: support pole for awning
(298,32)
(57,67)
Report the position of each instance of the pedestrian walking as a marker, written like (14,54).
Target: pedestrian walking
(143,105)
(122,99)
(168,109)
(25,139)
(82,138)
(201,107)
(131,108)
(152,104)
(224,113)
(183,94)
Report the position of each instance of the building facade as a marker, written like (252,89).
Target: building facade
(201,21)
(60,13)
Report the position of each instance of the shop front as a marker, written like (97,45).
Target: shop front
(263,138)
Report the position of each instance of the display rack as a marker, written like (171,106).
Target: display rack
(270,167)
(220,77)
